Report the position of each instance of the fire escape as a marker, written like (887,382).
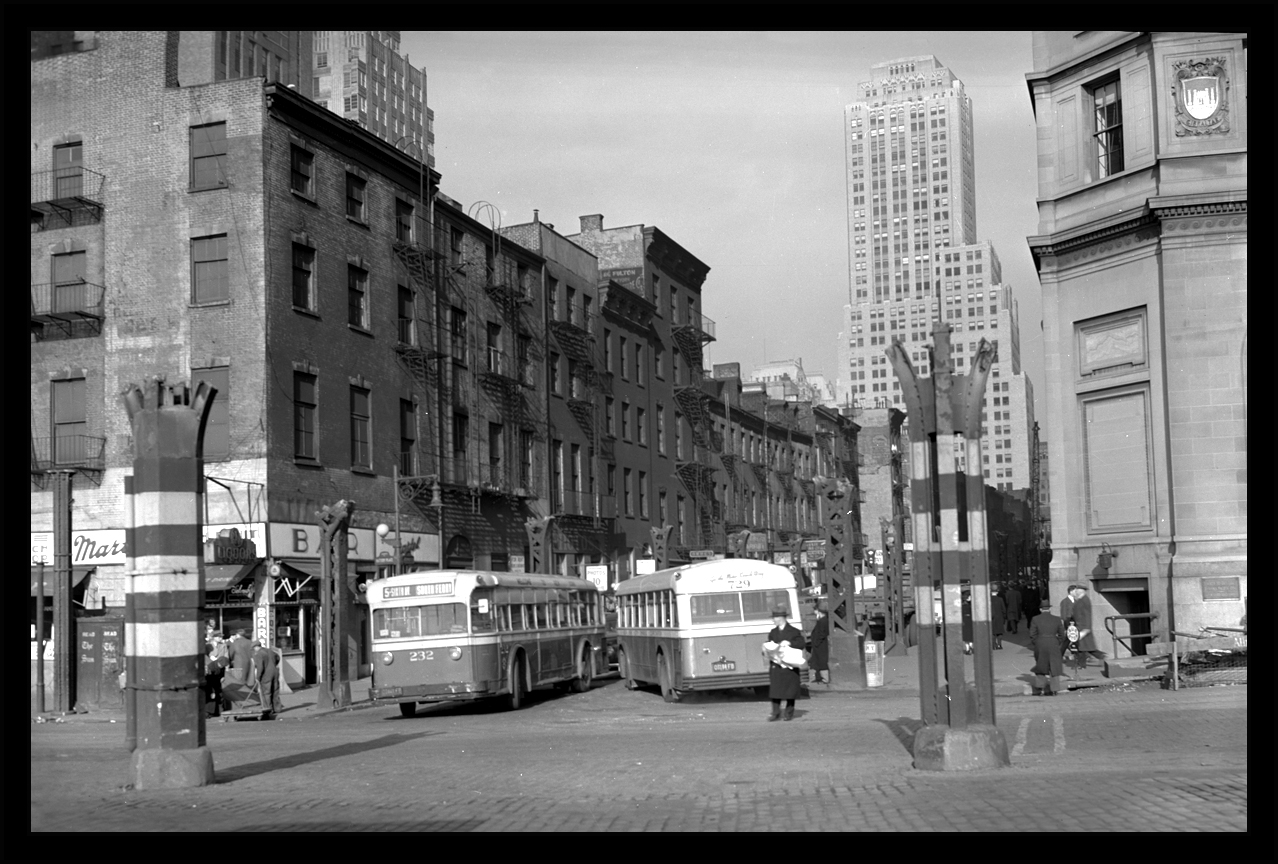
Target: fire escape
(697,474)
(588,383)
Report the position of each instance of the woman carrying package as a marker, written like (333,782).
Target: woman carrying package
(783,678)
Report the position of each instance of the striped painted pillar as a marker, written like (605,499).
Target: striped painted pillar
(163,634)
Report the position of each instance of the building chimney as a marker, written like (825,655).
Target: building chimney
(536,218)
(592,223)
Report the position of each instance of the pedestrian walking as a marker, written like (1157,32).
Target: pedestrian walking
(998,615)
(819,645)
(1047,634)
(1083,620)
(267,672)
(783,681)
(1067,603)
(1030,601)
(1013,599)
(240,650)
(213,671)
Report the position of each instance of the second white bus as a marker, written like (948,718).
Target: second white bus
(702,626)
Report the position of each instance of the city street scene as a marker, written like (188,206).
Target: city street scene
(638,431)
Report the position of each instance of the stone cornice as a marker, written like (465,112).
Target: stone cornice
(1059,244)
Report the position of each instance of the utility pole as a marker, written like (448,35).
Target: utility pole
(63,637)
(164,667)
(950,548)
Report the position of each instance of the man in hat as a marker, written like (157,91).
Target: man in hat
(1082,610)
(1067,603)
(241,655)
(783,681)
(1047,635)
(1030,602)
(267,673)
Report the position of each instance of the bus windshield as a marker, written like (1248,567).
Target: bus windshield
(401,622)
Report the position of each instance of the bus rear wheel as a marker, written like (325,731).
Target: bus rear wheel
(516,699)
(583,681)
(663,673)
(408,709)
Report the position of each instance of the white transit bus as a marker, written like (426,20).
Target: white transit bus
(451,635)
(701,627)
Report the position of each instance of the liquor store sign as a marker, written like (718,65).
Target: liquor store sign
(105,547)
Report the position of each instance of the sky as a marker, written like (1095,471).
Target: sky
(730,143)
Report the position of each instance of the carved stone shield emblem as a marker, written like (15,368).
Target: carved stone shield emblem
(1200,92)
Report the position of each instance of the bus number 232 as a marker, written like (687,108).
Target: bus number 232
(414,656)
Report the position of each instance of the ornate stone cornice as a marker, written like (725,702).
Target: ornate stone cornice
(1213,208)
(1070,248)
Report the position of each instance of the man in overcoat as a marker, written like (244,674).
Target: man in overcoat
(1083,620)
(241,653)
(1030,601)
(783,682)
(819,644)
(1047,635)
(1067,603)
(998,617)
(267,673)
(1013,598)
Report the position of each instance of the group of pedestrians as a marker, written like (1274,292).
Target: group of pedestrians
(1052,636)
(245,662)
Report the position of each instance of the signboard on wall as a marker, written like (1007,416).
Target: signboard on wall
(645,565)
(516,563)
(299,540)
(598,574)
(88,548)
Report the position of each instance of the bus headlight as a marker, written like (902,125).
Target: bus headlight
(388,658)
(455,652)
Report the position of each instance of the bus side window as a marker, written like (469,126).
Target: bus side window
(541,615)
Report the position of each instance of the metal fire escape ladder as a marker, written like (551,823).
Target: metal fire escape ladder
(420,354)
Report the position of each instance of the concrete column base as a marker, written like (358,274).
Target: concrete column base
(940,748)
(159,768)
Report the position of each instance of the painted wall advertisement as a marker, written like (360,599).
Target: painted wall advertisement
(299,540)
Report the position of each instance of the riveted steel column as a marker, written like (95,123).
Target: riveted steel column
(538,555)
(163,637)
(64,635)
(967,405)
(920,407)
(835,498)
(336,607)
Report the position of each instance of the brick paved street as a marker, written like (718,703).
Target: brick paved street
(617,760)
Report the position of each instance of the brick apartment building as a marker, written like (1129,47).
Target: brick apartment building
(235,232)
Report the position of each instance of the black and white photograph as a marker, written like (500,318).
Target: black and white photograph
(638,431)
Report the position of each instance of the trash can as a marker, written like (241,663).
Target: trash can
(874,663)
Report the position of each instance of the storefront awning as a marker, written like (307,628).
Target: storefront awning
(78,575)
(229,584)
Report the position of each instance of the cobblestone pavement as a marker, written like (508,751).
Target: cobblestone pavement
(612,759)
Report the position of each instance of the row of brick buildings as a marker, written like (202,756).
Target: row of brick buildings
(360,325)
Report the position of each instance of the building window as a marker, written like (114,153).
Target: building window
(68,281)
(659,361)
(496,448)
(556,379)
(407,438)
(68,172)
(457,323)
(610,412)
(217,429)
(643,495)
(208,156)
(639,376)
(404,221)
(625,421)
(209,280)
(622,352)
(607,340)
(303,165)
(355,188)
(627,491)
(406,318)
(641,426)
(357,297)
(70,424)
(661,430)
(361,422)
(526,461)
(304,408)
(1108,128)
(303,277)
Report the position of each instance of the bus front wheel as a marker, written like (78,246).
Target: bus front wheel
(583,681)
(663,672)
(517,684)
(408,709)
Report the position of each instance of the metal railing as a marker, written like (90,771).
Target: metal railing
(697,321)
(1116,639)
(69,451)
(73,184)
(67,300)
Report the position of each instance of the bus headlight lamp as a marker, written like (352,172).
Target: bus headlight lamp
(455,652)
(388,658)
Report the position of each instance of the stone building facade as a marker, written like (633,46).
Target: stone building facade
(1142,255)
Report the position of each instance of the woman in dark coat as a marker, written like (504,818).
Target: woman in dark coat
(819,645)
(783,681)
(998,618)
(967,622)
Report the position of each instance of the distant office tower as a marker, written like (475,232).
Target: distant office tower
(360,75)
(914,257)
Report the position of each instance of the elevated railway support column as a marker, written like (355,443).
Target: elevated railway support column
(163,634)
(950,554)
(337,606)
(847,665)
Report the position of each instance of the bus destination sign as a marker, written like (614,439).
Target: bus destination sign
(417,589)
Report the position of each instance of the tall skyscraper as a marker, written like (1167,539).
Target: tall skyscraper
(360,75)
(914,257)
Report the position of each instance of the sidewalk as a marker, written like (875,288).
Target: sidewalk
(1012,676)
(299,704)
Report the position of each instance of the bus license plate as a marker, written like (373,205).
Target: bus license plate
(391,692)
(727,666)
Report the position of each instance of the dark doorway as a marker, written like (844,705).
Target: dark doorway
(1127,599)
